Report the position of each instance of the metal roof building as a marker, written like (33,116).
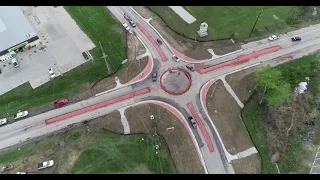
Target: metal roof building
(14,29)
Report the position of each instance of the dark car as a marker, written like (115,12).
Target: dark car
(126,16)
(190,68)
(159,41)
(296,39)
(154,76)
(191,120)
(85,55)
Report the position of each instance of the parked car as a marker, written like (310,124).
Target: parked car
(15,62)
(190,68)
(21,114)
(154,76)
(3,121)
(125,25)
(126,16)
(6,168)
(273,37)
(61,102)
(193,123)
(45,164)
(85,55)
(132,23)
(52,74)
(25,173)
(296,39)
(159,41)
(174,57)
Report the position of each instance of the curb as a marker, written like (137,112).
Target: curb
(182,120)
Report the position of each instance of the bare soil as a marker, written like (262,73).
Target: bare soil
(225,113)
(179,142)
(248,165)
(110,122)
(197,50)
(134,66)
(243,83)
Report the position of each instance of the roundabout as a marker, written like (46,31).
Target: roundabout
(175,81)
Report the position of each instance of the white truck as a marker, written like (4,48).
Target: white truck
(20,114)
(45,164)
(3,121)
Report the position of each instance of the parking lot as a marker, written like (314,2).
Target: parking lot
(62,44)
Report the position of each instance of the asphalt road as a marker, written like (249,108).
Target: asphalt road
(215,162)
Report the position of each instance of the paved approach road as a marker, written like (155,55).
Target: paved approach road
(212,154)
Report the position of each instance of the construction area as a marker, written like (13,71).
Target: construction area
(100,146)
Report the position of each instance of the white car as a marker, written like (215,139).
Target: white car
(3,121)
(52,74)
(132,23)
(21,114)
(174,57)
(273,37)
(25,173)
(45,164)
(125,25)
(15,62)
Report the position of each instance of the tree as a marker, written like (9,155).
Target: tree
(274,89)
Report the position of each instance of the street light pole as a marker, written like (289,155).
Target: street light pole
(255,23)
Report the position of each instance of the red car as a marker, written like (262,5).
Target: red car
(61,102)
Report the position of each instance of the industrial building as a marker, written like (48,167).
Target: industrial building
(16,33)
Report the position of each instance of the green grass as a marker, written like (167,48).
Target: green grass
(99,26)
(28,150)
(295,157)
(251,119)
(295,71)
(75,136)
(110,153)
(103,152)
(224,21)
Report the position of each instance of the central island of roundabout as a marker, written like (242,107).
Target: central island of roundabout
(175,81)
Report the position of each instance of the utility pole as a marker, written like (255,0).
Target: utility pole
(255,23)
(104,57)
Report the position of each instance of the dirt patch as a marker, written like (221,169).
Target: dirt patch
(191,48)
(243,83)
(178,140)
(134,66)
(103,85)
(248,165)
(110,121)
(225,114)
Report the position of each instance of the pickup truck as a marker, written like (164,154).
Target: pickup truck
(20,115)
(45,164)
